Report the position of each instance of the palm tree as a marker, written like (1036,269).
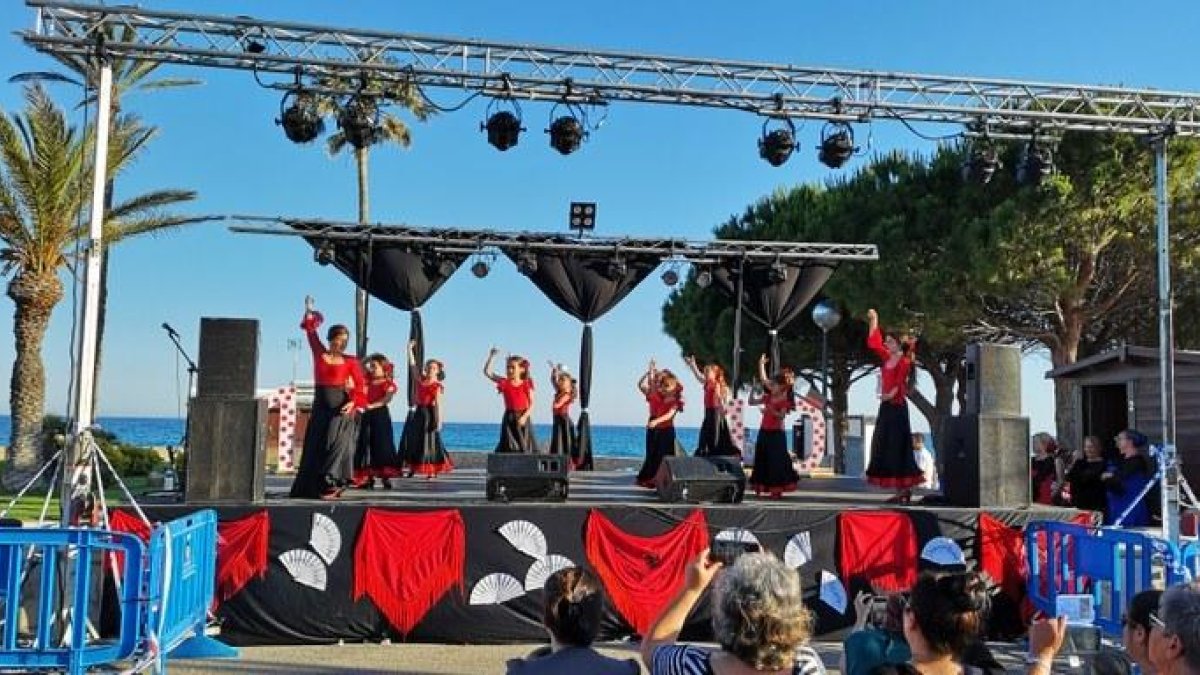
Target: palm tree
(45,170)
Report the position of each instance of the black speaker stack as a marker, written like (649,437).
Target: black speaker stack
(701,479)
(527,478)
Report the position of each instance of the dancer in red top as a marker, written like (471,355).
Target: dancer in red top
(664,394)
(563,440)
(424,452)
(516,386)
(774,472)
(892,463)
(327,464)
(376,456)
(715,437)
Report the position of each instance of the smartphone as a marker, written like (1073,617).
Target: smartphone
(726,551)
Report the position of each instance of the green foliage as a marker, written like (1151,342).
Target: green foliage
(128,460)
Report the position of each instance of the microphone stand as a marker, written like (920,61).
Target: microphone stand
(187,424)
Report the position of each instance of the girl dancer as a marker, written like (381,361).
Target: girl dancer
(773,469)
(892,462)
(715,438)
(664,395)
(424,451)
(516,431)
(327,465)
(562,439)
(376,456)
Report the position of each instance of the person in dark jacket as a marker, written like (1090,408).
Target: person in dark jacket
(1083,481)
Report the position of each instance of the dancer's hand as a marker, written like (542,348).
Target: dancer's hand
(762,359)
(347,408)
(494,350)
(309,304)
(872,318)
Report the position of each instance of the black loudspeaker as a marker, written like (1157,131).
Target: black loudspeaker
(226,456)
(993,380)
(228,358)
(537,478)
(701,479)
(985,460)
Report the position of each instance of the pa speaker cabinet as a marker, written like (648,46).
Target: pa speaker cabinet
(993,378)
(225,455)
(538,478)
(228,358)
(701,479)
(985,460)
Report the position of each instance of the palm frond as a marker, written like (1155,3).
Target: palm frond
(393,129)
(168,83)
(336,143)
(151,224)
(150,201)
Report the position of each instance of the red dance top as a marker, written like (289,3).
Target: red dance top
(379,390)
(562,404)
(894,376)
(347,374)
(517,397)
(427,392)
(712,397)
(775,410)
(660,405)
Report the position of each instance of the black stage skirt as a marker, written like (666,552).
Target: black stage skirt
(376,454)
(715,437)
(773,469)
(327,462)
(660,443)
(562,437)
(424,452)
(892,462)
(516,438)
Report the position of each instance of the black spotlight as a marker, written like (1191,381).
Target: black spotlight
(446,268)
(670,277)
(301,120)
(359,121)
(527,264)
(837,144)
(777,145)
(778,273)
(704,278)
(1037,163)
(325,254)
(480,269)
(566,134)
(982,162)
(503,130)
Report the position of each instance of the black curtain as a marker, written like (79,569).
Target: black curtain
(771,293)
(585,285)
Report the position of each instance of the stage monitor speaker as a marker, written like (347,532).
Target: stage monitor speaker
(228,358)
(226,456)
(993,380)
(537,478)
(985,460)
(701,479)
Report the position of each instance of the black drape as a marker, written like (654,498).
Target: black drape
(585,285)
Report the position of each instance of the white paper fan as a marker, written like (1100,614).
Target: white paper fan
(305,567)
(540,570)
(325,539)
(495,589)
(943,551)
(738,534)
(525,537)
(798,550)
(833,593)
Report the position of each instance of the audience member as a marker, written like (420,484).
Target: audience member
(1083,479)
(1135,628)
(1044,468)
(925,462)
(1175,631)
(945,615)
(1127,480)
(876,641)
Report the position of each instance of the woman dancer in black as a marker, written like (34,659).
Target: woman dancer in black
(516,430)
(424,451)
(774,471)
(562,438)
(715,437)
(376,456)
(892,463)
(664,395)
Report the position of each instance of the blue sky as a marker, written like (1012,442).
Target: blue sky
(654,170)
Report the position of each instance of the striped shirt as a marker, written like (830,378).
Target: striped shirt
(689,660)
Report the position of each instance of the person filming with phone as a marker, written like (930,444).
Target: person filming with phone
(758,618)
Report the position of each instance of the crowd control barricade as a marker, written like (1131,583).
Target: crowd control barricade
(1109,564)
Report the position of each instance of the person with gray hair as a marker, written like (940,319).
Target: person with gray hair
(1175,631)
(758,618)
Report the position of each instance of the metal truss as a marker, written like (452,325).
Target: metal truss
(501,69)
(481,241)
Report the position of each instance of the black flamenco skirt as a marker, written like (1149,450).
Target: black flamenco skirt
(562,437)
(515,438)
(773,469)
(660,443)
(892,462)
(715,437)
(330,440)
(423,450)
(376,453)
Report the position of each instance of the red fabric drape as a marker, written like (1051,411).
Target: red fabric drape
(1002,556)
(879,546)
(241,553)
(123,521)
(405,585)
(642,574)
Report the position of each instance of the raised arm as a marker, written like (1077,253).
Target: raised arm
(643,384)
(875,338)
(691,362)
(487,365)
(309,324)
(762,370)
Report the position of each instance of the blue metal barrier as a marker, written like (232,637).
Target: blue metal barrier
(1110,564)
(59,639)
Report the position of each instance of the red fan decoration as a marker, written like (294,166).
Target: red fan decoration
(879,546)
(241,553)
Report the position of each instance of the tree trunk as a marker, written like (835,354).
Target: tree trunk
(360,294)
(839,389)
(945,376)
(1066,394)
(34,297)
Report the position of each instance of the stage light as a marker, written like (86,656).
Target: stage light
(1037,163)
(582,216)
(982,162)
(446,268)
(503,130)
(704,278)
(566,134)
(527,263)
(325,253)
(778,273)
(616,269)
(670,277)
(480,269)
(301,121)
(359,121)
(776,146)
(837,144)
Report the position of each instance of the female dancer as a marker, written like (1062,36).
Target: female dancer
(424,451)
(773,469)
(715,438)
(516,431)
(376,456)
(562,439)
(664,394)
(327,465)
(892,462)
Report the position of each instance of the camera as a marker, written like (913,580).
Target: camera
(726,552)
